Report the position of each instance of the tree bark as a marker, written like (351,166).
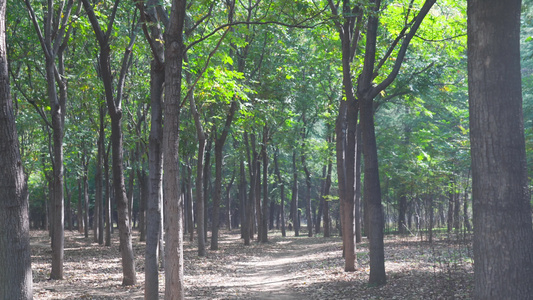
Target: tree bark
(114,106)
(173,202)
(53,44)
(265,204)
(345,127)
(153,34)
(294,199)
(503,235)
(15,260)
(282,193)
(219,147)
(367,90)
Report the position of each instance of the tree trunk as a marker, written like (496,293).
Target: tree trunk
(85,163)
(265,204)
(173,202)
(68,207)
(107,200)
(282,193)
(155,152)
(402,207)
(206,184)
(465,205)
(143,200)
(451,202)
(190,203)
(228,202)
(327,187)
(503,235)
(114,106)
(249,233)
(15,260)
(101,154)
(373,195)
(129,193)
(294,199)
(219,147)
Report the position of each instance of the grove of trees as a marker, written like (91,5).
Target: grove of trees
(351,117)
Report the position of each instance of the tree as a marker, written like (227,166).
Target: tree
(345,127)
(114,105)
(15,260)
(503,236)
(173,202)
(54,44)
(367,90)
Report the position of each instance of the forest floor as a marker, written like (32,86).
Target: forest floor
(284,268)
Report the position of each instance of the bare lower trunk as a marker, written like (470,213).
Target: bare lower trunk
(15,261)
(503,235)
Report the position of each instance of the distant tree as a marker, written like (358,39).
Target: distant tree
(15,261)
(503,236)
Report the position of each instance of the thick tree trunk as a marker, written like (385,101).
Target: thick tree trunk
(155,156)
(173,202)
(15,261)
(154,210)
(373,194)
(503,235)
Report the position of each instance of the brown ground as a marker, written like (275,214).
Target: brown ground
(285,268)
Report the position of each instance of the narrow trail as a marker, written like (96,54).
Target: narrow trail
(262,271)
(270,277)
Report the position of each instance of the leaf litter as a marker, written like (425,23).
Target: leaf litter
(283,268)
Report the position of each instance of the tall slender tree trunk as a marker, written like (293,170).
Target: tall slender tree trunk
(173,202)
(219,147)
(282,193)
(85,163)
(327,187)
(503,234)
(190,204)
(294,199)
(153,33)
(265,204)
(357,199)
(373,194)
(99,207)
(345,126)
(114,105)
(15,260)
(107,200)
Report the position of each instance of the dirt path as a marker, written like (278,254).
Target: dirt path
(272,274)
